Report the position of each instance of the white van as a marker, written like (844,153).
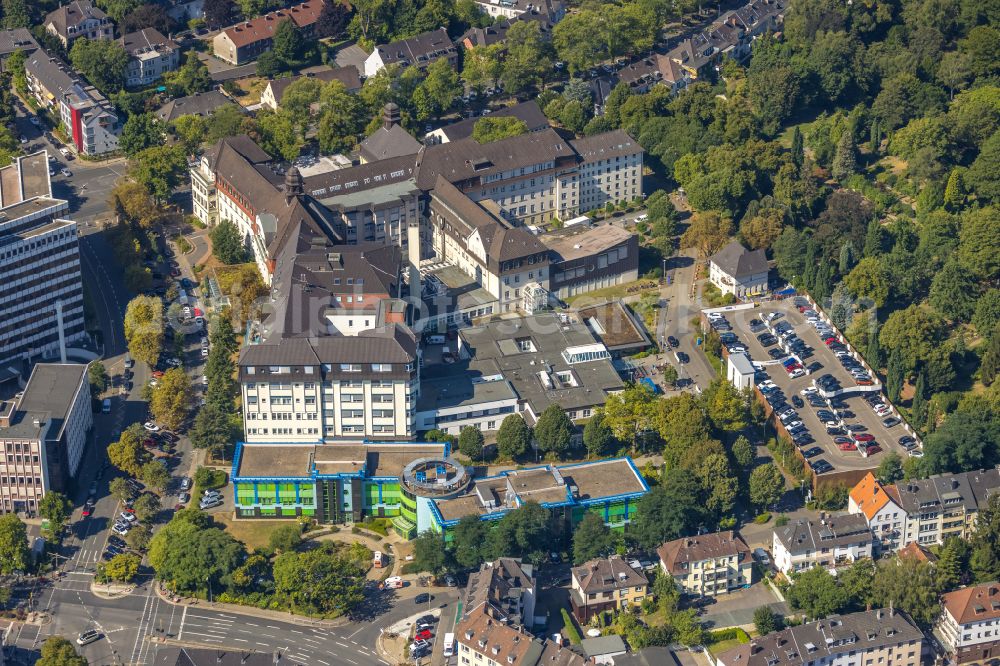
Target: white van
(393,583)
(449,645)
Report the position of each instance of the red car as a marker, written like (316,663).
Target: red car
(864,437)
(149,443)
(873,449)
(848,446)
(423,635)
(86,510)
(128,509)
(829,341)
(157,373)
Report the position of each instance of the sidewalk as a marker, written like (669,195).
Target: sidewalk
(111,590)
(249,611)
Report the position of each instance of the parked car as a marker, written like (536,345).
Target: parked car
(88,637)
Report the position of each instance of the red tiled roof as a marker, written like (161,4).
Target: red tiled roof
(263,27)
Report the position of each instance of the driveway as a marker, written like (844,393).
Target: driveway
(736,608)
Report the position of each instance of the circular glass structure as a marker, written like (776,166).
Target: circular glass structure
(435,478)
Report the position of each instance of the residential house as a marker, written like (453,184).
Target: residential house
(79,18)
(43,432)
(708,564)
(655,69)
(503,589)
(927,511)
(513,9)
(604,649)
(869,637)
(151,55)
(418,51)
(18,39)
(969,625)
(483,641)
(606,584)
(241,43)
(738,271)
(41,289)
(275,90)
(831,542)
(199,104)
(87,117)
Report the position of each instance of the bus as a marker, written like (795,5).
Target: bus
(449,645)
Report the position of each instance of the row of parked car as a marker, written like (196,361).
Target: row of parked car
(789,417)
(423,636)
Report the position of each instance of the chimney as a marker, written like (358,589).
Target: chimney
(294,186)
(390,115)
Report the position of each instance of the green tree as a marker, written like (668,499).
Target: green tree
(55,508)
(122,567)
(952,564)
(554,430)
(743,452)
(990,366)
(141,131)
(953,292)
(873,354)
(144,328)
(286,538)
(918,406)
(670,510)
(102,61)
(278,135)
(170,402)
(212,429)
(597,436)
(767,485)
(895,375)
(469,541)
(869,280)
(192,77)
(798,147)
(481,69)
(528,57)
(320,580)
(955,193)
(127,453)
(915,331)
(592,539)
(815,592)
(288,42)
(438,91)
(147,506)
(190,555)
(155,475)
(846,260)
(630,413)
(56,650)
(514,437)
(341,117)
(721,487)
(227,244)
(728,408)
(908,584)
(159,170)
(708,232)
(765,620)
(16,14)
(524,532)
(470,442)
(987,314)
(494,128)
(890,469)
(97,376)
(13,545)
(121,490)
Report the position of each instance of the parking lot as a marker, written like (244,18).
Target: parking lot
(824,402)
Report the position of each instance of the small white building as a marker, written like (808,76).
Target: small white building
(740,370)
(739,271)
(831,542)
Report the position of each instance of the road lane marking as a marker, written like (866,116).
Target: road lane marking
(183,618)
(343,644)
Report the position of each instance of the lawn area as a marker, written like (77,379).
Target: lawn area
(251,89)
(253,533)
(738,637)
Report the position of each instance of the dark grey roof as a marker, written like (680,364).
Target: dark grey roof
(468,160)
(612,644)
(419,50)
(388,142)
(349,76)
(73,14)
(616,143)
(811,535)
(495,584)
(18,38)
(198,104)
(48,398)
(737,261)
(607,574)
(827,639)
(650,656)
(390,344)
(147,38)
(970,490)
(526,111)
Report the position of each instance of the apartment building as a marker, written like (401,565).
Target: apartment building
(482,640)
(738,271)
(275,90)
(831,542)
(85,114)
(328,388)
(151,55)
(586,258)
(512,9)
(708,564)
(969,626)
(505,590)
(925,511)
(43,432)
(418,51)
(77,19)
(610,169)
(867,638)
(606,584)
(655,69)
(241,43)
(40,281)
